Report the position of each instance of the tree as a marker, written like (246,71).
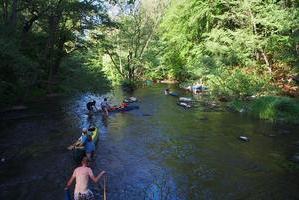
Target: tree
(127,43)
(250,35)
(40,35)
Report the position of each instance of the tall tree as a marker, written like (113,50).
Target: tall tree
(127,43)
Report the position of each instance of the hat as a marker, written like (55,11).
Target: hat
(84,129)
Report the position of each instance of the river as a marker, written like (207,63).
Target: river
(160,151)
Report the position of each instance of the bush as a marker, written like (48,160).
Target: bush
(272,108)
(76,75)
(238,83)
(276,108)
(128,85)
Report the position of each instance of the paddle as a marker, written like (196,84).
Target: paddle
(104,188)
(104,192)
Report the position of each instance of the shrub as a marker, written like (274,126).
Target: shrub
(276,108)
(238,83)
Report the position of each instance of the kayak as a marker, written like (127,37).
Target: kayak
(79,152)
(185,99)
(173,94)
(185,105)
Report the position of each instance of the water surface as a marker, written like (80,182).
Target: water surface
(161,151)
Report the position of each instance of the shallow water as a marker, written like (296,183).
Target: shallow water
(160,151)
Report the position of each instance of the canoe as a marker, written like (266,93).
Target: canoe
(185,99)
(130,100)
(185,105)
(79,152)
(123,109)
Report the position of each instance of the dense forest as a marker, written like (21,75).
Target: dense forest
(238,49)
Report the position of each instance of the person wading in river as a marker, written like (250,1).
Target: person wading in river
(80,142)
(82,175)
(105,106)
(89,147)
(91,107)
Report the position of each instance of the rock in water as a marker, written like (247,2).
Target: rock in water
(244,138)
(295,158)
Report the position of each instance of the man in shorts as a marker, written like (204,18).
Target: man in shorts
(82,175)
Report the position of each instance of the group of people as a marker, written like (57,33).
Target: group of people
(105,107)
(84,173)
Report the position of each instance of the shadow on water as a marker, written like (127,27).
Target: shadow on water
(161,151)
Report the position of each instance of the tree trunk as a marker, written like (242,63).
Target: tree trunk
(254,30)
(14,13)
(60,55)
(114,63)
(53,27)
(5,10)
(267,62)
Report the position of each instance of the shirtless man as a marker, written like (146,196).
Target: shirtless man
(82,175)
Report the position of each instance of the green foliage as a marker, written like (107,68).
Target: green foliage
(272,108)
(276,109)
(130,47)
(216,40)
(128,85)
(77,75)
(239,83)
(35,37)
(18,72)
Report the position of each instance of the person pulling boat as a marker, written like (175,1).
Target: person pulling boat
(85,142)
(105,106)
(80,140)
(91,106)
(82,175)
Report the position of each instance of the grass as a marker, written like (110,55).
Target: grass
(272,108)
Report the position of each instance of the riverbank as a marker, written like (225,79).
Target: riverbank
(272,108)
(78,79)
